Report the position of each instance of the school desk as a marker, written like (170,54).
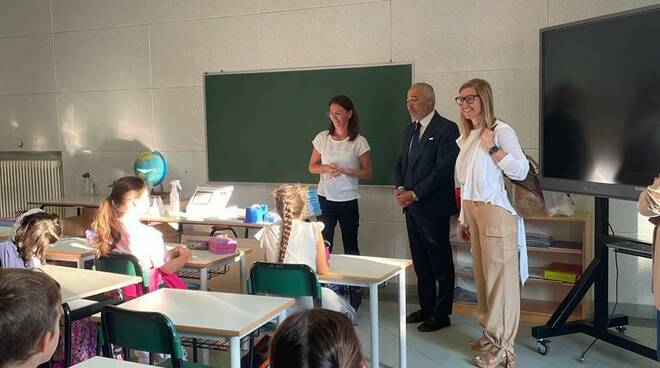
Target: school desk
(183,219)
(77,284)
(211,315)
(77,202)
(101,362)
(371,272)
(4,233)
(204,264)
(74,250)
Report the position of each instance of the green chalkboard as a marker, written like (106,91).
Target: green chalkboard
(260,126)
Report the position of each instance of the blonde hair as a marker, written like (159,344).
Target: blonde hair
(107,225)
(35,233)
(290,202)
(485,99)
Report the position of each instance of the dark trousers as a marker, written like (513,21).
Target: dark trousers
(433,263)
(348,215)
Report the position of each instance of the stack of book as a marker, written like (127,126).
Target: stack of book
(538,240)
(562,272)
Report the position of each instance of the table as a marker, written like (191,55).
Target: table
(204,261)
(212,315)
(93,201)
(71,250)
(4,232)
(101,362)
(77,283)
(370,272)
(207,221)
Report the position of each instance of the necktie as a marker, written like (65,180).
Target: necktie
(414,140)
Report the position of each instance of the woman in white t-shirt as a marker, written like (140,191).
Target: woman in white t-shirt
(341,157)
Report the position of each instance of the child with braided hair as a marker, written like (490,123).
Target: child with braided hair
(292,240)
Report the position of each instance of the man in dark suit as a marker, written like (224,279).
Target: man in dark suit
(424,177)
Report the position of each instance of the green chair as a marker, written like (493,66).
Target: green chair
(283,279)
(125,264)
(145,331)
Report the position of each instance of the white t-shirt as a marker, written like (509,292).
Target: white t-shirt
(145,243)
(343,153)
(302,242)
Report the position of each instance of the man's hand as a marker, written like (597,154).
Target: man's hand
(404,197)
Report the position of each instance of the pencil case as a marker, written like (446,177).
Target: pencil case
(222,245)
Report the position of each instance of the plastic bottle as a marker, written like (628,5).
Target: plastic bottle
(175,204)
(87,185)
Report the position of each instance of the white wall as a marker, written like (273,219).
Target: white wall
(102,80)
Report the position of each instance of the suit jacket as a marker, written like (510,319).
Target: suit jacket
(433,165)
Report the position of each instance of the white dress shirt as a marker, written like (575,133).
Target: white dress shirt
(481,178)
(425,123)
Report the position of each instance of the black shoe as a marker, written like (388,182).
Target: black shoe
(415,317)
(434,324)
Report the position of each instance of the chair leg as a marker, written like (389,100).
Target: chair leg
(194,350)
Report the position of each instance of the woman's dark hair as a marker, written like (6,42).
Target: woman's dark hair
(106,225)
(353,122)
(316,338)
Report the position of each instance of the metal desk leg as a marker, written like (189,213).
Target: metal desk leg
(402,320)
(81,263)
(242,273)
(204,279)
(235,351)
(373,310)
(281,317)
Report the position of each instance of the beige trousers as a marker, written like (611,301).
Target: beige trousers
(494,241)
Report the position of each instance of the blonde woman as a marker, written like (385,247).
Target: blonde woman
(649,206)
(489,149)
(293,240)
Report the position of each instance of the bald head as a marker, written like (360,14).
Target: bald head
(420,100)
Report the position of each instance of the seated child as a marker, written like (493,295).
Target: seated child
(316,338)
(293,240)
(34,231)
(30,312)
(118,228)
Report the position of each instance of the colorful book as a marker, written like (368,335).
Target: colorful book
(562,272)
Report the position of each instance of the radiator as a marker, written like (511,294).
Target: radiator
(28,180)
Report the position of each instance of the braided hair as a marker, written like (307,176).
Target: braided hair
(290,204)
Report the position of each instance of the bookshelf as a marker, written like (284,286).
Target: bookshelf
(539,297)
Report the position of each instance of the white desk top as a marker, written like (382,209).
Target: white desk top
(363,269)
(69,249)
(211,313)
(4,232)
(183,219)
(101,362)
(78,283)
(71,201)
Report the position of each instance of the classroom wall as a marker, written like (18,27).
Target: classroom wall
(102,80)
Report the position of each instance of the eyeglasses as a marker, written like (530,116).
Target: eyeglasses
(337,115)
(469,99)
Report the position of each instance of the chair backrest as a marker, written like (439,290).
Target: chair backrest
(285,279)
(125,264)
(146,331)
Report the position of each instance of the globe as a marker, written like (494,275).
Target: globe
(151,167)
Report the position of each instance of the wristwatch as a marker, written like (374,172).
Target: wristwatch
(493,149)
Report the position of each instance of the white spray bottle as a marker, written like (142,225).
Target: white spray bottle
(175,204)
